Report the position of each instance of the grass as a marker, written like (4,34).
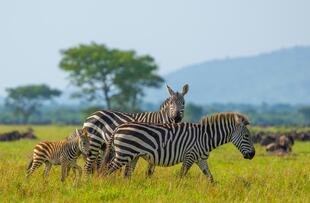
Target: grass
(263,179)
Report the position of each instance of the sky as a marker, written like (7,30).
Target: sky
(175,32)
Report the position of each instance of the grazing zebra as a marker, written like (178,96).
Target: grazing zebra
(101,124)
(62,153)
(170,144)
(73,136)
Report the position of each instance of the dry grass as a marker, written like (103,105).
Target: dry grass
(263,179)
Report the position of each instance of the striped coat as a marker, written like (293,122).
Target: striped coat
(64,153)
(169,144)
(101,124)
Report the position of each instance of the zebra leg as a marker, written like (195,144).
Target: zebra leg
(75,166)
(203,165)
(114,165)
(48,167)
(95,145)
(187,164)
(68,170)
(35,165)
(130,167)
(99,160)
(73,170)
(64,168)
(90,161)
(150,169)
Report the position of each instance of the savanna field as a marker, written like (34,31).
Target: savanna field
(264,179)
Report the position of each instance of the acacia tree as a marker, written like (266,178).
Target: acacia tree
(25,100)
(115,76)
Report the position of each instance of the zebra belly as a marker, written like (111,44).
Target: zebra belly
(55,161)
(166,160)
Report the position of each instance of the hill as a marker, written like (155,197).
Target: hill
(281,76)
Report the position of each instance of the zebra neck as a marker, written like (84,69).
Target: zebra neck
(152,117)
(74,146)
(213,136)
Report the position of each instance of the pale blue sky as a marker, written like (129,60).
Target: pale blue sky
(176,33)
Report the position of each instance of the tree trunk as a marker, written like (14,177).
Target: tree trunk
(106,90)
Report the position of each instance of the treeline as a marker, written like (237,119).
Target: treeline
(263,115)
(116,79)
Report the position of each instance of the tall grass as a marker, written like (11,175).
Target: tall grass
(263,179)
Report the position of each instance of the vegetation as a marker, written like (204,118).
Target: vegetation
(264,115)
(111,75)
(237,180)
(305,111)
(25,100)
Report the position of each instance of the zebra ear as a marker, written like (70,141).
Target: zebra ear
(77,132)
(170,91)
(84,133)
(241,119)
(246,122)
(185,89)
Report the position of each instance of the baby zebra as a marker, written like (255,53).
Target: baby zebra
(64,153)
(169,144)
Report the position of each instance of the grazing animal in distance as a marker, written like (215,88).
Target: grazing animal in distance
(101,124)
(169,144)
(64,153)
(282,146)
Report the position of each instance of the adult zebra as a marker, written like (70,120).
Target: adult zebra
(101,124)
(169,144)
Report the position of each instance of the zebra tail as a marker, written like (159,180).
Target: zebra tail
(30,164)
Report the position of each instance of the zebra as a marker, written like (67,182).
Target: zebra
(76,133)
(64,153)
(101,124)
(169,144)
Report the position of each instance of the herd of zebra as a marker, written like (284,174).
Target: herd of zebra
(112,139)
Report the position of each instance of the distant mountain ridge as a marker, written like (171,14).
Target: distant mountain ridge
(281,76)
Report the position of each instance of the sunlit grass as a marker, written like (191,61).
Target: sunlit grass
(263,179)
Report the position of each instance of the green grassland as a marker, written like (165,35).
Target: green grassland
(264,179)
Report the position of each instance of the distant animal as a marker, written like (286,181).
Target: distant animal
(101,124)
(268,139)
(283,145)
(16,135)
(304,136)
(169,144)
(64,153)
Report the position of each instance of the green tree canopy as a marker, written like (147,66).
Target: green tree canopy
(25,100)
(115,76)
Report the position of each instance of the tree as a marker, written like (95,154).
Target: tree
(193,112)
(115,76)
(136,73)
(25,100)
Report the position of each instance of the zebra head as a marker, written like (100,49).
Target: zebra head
(241,137)
(176,104)
(83,140)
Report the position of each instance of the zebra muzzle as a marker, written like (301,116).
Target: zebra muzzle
(249,155)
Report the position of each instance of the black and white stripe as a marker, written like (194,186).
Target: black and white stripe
(64,153)
(101,124)
(170,144)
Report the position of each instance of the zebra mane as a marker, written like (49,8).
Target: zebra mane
(235,117)
(164,104)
